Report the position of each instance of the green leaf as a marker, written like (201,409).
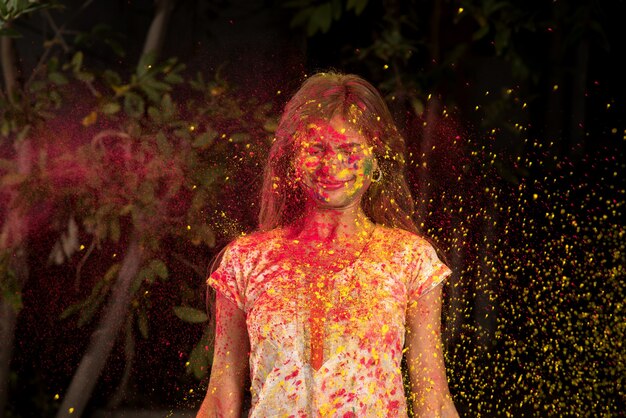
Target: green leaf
(71,310)
(57,78)
(112,78)
(111,272)
(12,179)
(77,61)
(173,78)
(357,5)
(199,359)
(146,62)
(167,106)
(205,139)
(320,19)
(115,46)
(164,145)
(155,114)
(111,108)
(37,85)
(152,93)
(137,282)
(301,18)
(10,287)
(142,323)
(238,137)
(91,307)
(480,33)
(159,268)
(84,76)
(114,228)
(134,105)
(146,192)
(189,314)
(501,40)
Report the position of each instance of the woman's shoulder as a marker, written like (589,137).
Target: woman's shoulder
(254,240)
(402,238)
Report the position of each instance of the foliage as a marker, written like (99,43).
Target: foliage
(317,16)
(149,151)
(11,10)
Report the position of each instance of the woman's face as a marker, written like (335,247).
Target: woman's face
(334,164)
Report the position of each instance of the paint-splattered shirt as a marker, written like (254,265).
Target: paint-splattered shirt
(363,304)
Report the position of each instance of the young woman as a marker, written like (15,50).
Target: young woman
(321,303)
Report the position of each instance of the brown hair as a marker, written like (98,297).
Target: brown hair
(321,97)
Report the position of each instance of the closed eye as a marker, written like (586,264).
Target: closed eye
(315,150)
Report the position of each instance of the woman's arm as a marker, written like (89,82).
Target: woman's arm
(230,362)
(427,371)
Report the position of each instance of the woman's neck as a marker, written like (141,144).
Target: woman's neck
(328,225)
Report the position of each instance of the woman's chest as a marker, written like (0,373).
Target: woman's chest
(351,301)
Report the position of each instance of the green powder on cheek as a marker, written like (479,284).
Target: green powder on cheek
(368,164)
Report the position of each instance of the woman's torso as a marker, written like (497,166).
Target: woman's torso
(350,309)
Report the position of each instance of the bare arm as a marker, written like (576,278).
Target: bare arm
(230,362)
(429,385)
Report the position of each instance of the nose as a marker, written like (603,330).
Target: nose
(330,163)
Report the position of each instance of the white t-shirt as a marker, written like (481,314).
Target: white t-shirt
(363,307)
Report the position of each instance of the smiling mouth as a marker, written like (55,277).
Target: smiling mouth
(333,185)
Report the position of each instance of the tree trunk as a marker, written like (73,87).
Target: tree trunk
(13,238)
(103,339)
(8,320)
(158,27)
(9,66)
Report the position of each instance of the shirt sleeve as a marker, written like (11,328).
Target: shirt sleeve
(226,279)
(428,271)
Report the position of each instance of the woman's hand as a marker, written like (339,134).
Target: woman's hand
(427,371)
(230,362)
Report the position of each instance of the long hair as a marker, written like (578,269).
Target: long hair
(320,98)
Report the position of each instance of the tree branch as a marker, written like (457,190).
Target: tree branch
(9,67)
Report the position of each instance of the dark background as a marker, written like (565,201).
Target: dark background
(523,190)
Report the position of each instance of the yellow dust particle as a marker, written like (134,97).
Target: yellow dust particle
(71,410)
(188,227)
(56,396)
(460,10)
(82,247)
(385,67)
